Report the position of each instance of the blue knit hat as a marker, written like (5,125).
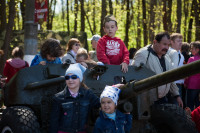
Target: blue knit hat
(76,69)
(111,92)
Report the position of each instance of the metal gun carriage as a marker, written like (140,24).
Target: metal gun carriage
(28,97)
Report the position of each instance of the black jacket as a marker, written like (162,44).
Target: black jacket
(70,114)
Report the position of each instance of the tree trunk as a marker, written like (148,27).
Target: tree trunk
(88,6)
(103,14)
(17,22)
(165,16)
(152,21)
(186,10)
(169,12)
(122,4)
(53,14)
(22,7)
(138,38)
(179,14)
(197,23)
(63,13)
(72,5)
(110,6)
(2,16)
(89,23)
(8,35)
(94,16)
(68,29)
(63,10)
(117,2)
(76,15)
(144,22)
(190,23)
(49,22)
(126,40)
(3,22)
(82,16)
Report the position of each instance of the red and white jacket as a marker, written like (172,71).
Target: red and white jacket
(112,51)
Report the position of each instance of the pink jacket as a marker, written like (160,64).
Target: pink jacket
(193,82)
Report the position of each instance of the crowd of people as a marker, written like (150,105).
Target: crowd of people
(76,100)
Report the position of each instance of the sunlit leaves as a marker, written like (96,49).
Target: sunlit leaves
(119,11)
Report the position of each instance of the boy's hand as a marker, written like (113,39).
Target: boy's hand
(124,67)
(42,63)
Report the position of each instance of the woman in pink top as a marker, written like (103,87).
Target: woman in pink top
(192,83)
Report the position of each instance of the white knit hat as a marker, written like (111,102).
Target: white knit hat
(76,69)
(111,92)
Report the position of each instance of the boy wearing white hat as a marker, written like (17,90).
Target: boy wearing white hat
(112,120)
(70,107)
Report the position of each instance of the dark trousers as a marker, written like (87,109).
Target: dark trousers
(167,99)
(193,98)
(162,100)
(182,92)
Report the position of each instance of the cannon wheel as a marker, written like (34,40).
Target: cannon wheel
(19,119)
(169,118)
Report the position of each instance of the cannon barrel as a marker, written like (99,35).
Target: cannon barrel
(44,83)
(143,85)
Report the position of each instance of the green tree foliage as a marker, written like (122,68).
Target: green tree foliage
(154,18)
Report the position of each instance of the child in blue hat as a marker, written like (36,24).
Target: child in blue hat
(70,107)
(112,120)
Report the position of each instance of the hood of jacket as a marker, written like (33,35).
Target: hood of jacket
(16,62)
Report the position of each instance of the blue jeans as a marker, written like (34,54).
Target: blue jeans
(193,98)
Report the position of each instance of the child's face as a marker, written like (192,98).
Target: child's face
(49,58)
(80,59)
(177,43)
(73,83)
(110,28)
(194,50)
(107,105)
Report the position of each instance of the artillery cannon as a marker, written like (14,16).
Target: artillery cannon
(28,97)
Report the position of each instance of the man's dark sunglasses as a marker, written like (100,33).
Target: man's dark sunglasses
(67,77)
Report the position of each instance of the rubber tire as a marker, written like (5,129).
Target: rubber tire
(170,118)
(19,119)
